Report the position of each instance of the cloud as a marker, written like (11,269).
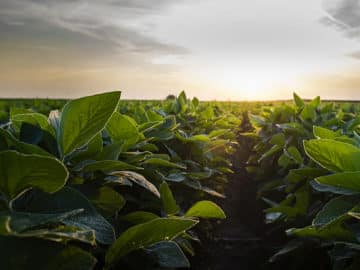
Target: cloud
(119,25)
(344,15)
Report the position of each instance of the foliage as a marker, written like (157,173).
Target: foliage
(92,185)
(306,159)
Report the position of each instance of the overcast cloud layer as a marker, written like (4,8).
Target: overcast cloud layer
(260,49)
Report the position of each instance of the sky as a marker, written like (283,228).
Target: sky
(215,50)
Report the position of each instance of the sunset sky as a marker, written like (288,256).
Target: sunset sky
(223,50)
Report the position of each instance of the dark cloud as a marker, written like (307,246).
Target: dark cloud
(344,16)
(346,12)
(114,24)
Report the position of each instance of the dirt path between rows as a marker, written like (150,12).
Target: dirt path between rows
(240,241)
(243,241)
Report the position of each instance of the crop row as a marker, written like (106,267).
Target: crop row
(306,159)
(102,183)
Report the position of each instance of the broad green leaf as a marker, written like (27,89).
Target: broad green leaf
(109,152)
(106,200)
(61,234)
(138,179)
(70,199)
(278,139)
(335,209)
(315,102)
(200,175)
(294,154)
(168,254)
(333,155)
(174,177)
(331,189)
(298,101)
(308,112)
(169,204)
(273,150)
(42,255)
(195,101)
(138,217)
(146,234)
(205,209)
(19,172)
(346,180)
(93,148)
(257,120)
(35,119)
(122,129)
(306,173)
(292,128)
(81,119)
(332,231)
(22,221)
(200,138)
(182,101)
(107,166)
(324,133)
(8,141)
(286,210)
(284,161)
(163,163)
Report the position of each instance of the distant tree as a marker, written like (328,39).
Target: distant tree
(170,97)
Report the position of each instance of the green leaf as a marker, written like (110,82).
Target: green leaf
(169,255)
(298,101)
(106,166)
(168,201)
(324,133)
(333,155)
(122,129)
(306,173)
(205,209)
(19,172)
(106,200)
(81,119)
(174,177)
(70,199)
(8,141)
(138,217)
(308,112)
(163,163)
(331,189)
(278,139)
(273,150)
(346,180)
(35,119)
(335,209)
(315,102)
(146,234)
(22,221)
(195,101)
(42,255)
(62,234)
(294,154)
(138,179)
(93,148)
(332,231)
(257,120)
